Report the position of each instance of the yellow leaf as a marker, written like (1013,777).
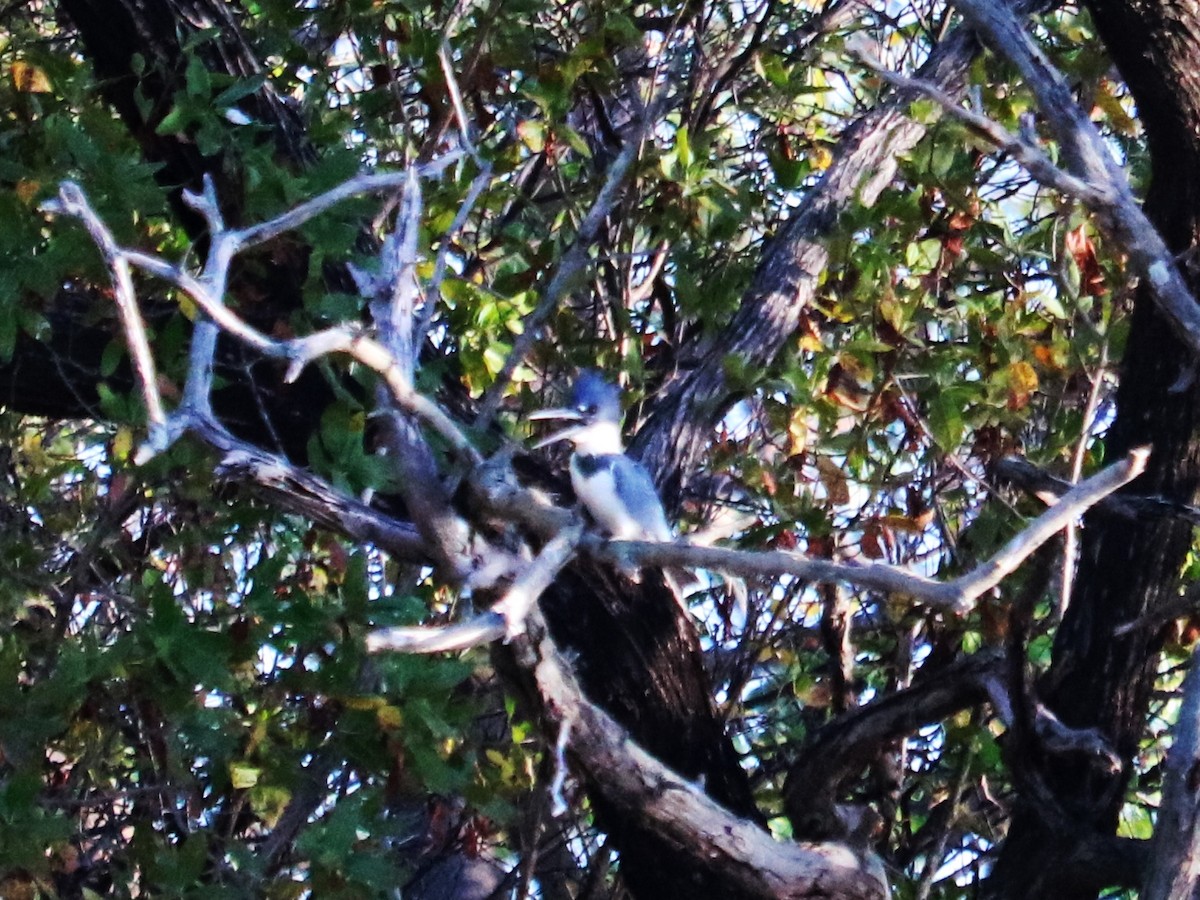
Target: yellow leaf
(29,79)
(389,717)
(243,775)
(1022,382)
(532,134)
(798,432)
(188,307)
(122,444)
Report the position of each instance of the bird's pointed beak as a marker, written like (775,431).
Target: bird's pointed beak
(561,415)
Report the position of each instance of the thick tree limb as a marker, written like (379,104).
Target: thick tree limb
(850,742)
(755,864)
(678,432)
(299,491)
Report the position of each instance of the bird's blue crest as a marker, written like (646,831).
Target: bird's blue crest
(595,398)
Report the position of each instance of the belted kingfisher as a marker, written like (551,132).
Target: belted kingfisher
(615,490)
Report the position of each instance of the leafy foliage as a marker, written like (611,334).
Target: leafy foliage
(181,661)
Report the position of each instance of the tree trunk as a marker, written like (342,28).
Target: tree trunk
(1126,568)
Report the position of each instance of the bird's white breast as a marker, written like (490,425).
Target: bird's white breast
(598,494)
(599,482)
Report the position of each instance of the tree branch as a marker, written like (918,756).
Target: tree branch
(507,617)
(1109,196)
(957,595)
(755,863)
(849,742)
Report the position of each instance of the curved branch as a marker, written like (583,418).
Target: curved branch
(754,864)
(851,741)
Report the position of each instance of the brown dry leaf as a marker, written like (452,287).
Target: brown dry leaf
(770,485)
(908,524)
(844,390)
(1048,356)
(834,480)
(1081,248)
(27,190)
(870,544)
(816,695)
(810,335)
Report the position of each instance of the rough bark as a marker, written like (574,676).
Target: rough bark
(674,440)
(638,658)
(1099,679)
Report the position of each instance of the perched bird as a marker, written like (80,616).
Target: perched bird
(615,490)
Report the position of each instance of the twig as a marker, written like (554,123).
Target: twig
(558,804)
(1162,613)
(1174,870)
(1071,538)
(72,201)
(569,267)
(1035,161)
(355,187)
(956,595)
(433,291)
(1074,503)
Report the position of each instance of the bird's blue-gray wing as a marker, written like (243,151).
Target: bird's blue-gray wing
(635,487)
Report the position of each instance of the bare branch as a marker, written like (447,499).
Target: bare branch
(1034,160)
(1048,488)
(72,201)
(475,632)
(355,187)
(957,595)
(506,618)
(1073,504)
(683,814)
(372,354)
(571,265)
(206,292)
